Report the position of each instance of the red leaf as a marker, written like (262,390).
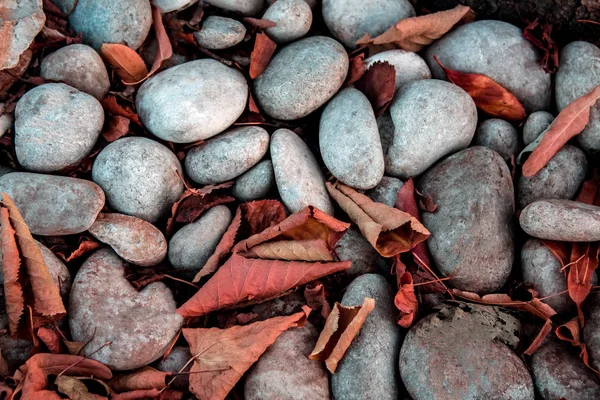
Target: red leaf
(86,245)
(539,339)
(559,250)
(257,23)
(51,339)
(145,378)
(570,332)
(378,83)
(357,69)
(316,299)
(264,48)
(115,128)
(590,190)
(406,301)
(584,261)
(540,36)
(111,105)
(261,214)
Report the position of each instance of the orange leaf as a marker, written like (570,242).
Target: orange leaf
(260,57)
(127,63)
(145,378)
(116,127)
(590,190)
(222,356)
(487,94)
(584,261)
(316,299)
(51,339)
(568,124)
(414,33)
(539,339)
(378,84)
(389,230)
(406,301)
(110,104)
(570,332)
(341,327)
(11,264)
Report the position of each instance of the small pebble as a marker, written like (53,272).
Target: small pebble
(256,183)
(175,363)
(354,247)
(219,33)
(498,135)
(249,8)
(167,6)
(409,66)
(386,191)
(293,19)
(536,123)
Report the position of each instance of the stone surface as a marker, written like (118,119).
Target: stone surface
(246,7)
(471,229)
(561,178)
(563,220)
(349,140)
(354,247)
(349,20)
(174,363)
(5,170)
(293,19)
(219,33)
(386,133)
(256,183)
(167,6)
(409,66)
(66,6)
(536,123)
(78,66)
(227,156)
(499,50)
(301,77)
(141,177)
(368,369)
(284,371)
(105,307)
(54,205)
(386,191)
(299,179)
(432,119)
(591,330)
(56,126)
(193,244)
(26,18)
(498,135)
(133,239)
(192,101)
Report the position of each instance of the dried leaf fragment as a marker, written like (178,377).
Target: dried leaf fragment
(143,379)
(571,332)
(127,63)
(260,57)
(73,388)
(378,83)
(405,300)
(541,37)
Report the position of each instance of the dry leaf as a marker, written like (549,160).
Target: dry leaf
(110,105)
(115,127)
(259,215)
(341,327)
(540,36)
(73,388)
(6,392)
(487,94)
(357,69)
(568,124)
(4,371)
(222,356)
(143,379)
(127,63)
(378,83)
(405,300)
(389,230)
(259,23)
(261,55)
(149,394)
(570,332)
(414,33)
(584,261)
(85,246)
(316,299)
(11,265)
(51,339)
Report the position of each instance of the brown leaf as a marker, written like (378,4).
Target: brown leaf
(257,23)
(357,68)
(487,94)
(73,388)
(414,33)
(4,370)
(571,332)
(259,215)
(86,245)
(264,48)
(144,378)
(116,127)
(316,299)
(539,339)
(11,265)
(541,37)
(584,261)
(6,392)
(51,339)
(378,83)
(406,300)
(341,327)
(127,63)
(389,230)
(568,124)
(111,106)
(150,394)
(222,356)
(8,77)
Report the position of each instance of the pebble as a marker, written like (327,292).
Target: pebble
(219,33)
(432,119)
(471,231)
(302,77)
(256,183)
(349,20)
(293,19)
(227,156)
(56,126)
(284,371)
(536,123)
(141,177)
(578,73)
(134,240)
(249,8)
(563,220)
(167,6)
(463,353)
(174,363)
(112,21)
(499,50)
(105,307)
(498,135)
(299,179)
(409,66)
(78,66)
(354,247)
(192,101)
(22,21)
(349,140)
(561,178)
(54,205)
(591,329)
(193,244)
(386,191)
(375,349)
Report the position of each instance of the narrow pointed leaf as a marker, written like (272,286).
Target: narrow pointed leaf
(260,57)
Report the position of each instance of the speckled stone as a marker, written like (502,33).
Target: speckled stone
(386,133)
(141,177)
(56,126)
(247,7)
(22,20)
(79,66)
(349,20)
(256,183)
(5,170)
(54,205)
(192,101)
(591,329)
(167,6)
(349,140)
(386,191)
(112,21)
(227,156)
(299,179)
(219,33)
(498,135)
(499,50)
(432,119)
(284,371)
(409,66)
(105,307)
(66,6)
(174,363)
(536,123)
(354,247)
(293,19)
(471,230)
(301,77)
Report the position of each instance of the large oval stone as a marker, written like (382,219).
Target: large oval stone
(498,135)
(256,183)
(292,20)
(219,33)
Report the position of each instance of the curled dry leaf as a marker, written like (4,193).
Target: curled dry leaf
(257,23)
(378,83)
(261,55)
(414,33)
(568,124)
(316,299)
(73,388)
(21,22)
(116,127)
(389,230)
(357,68)
(127,63)
(111,106)
(541,37)
(405,300)
(51,339)
(584,261)
(487,94)
(341,327)
(6,392)
(85,245)
(571,332)
(143,379)
(222,356)
(149,394)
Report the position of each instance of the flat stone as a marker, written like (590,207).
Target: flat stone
(293,19)
(219,33)
(301,77)
(167,6)
(54,205)
(174,363)
(349,140)
(133,239)
(498,135)
(141,177)
(256,183)
(386,191)
(227,156)
(27,19)
(299,179)
(409,66)
(247,7)
(536,123)
(563,220)
(105,307)
(354,247)
(192,101)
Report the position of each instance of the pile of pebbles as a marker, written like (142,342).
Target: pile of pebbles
(431,132)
